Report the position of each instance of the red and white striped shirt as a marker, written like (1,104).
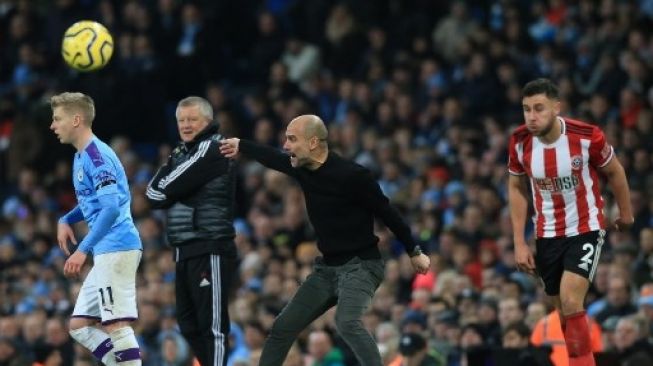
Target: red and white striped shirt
(564,177)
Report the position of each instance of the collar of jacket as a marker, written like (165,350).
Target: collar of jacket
(210,130)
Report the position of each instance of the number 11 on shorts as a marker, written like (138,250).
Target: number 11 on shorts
(109,294)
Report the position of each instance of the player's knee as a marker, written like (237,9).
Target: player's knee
(79,323)
(115,326)
(79,334)
(121,332)
(571,304)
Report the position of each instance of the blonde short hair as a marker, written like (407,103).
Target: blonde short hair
(75,102)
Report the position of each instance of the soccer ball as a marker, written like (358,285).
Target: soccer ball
(87,46)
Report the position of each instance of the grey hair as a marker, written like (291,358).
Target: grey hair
(204,106)
(77,102)
(315,127)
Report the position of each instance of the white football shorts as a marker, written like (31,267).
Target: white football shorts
(109,290)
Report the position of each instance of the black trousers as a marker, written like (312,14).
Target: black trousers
(351,287)
(202,284)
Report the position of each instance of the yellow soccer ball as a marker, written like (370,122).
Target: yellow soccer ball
(87,46)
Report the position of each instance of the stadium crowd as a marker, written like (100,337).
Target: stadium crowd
(424,93)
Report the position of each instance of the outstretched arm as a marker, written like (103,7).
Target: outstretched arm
(268,156)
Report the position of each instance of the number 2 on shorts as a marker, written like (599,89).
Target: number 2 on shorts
(586,260)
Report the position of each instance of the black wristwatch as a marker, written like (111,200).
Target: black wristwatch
(417,251)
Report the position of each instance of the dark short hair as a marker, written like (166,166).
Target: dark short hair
(411,343)
(42,351)
(541,86)
(519,327)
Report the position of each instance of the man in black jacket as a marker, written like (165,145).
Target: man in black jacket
(342,200)
(196,185)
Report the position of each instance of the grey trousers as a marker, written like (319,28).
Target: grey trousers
(351,287)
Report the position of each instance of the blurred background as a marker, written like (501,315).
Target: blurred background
(423,93)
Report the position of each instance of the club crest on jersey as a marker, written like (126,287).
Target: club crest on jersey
(80,175)
(576,162)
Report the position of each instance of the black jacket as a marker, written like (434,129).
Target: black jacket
(197,186)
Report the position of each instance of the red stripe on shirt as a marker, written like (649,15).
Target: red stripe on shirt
(551,171)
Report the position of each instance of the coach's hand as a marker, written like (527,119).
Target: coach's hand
(622,224)
(524,258)
(421,263)
(64,233)
(74,264)
(229,147)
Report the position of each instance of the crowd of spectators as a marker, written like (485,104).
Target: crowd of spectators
(424,93)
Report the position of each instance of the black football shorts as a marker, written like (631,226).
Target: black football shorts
(578,254)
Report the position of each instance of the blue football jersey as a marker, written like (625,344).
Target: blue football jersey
(97,172)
